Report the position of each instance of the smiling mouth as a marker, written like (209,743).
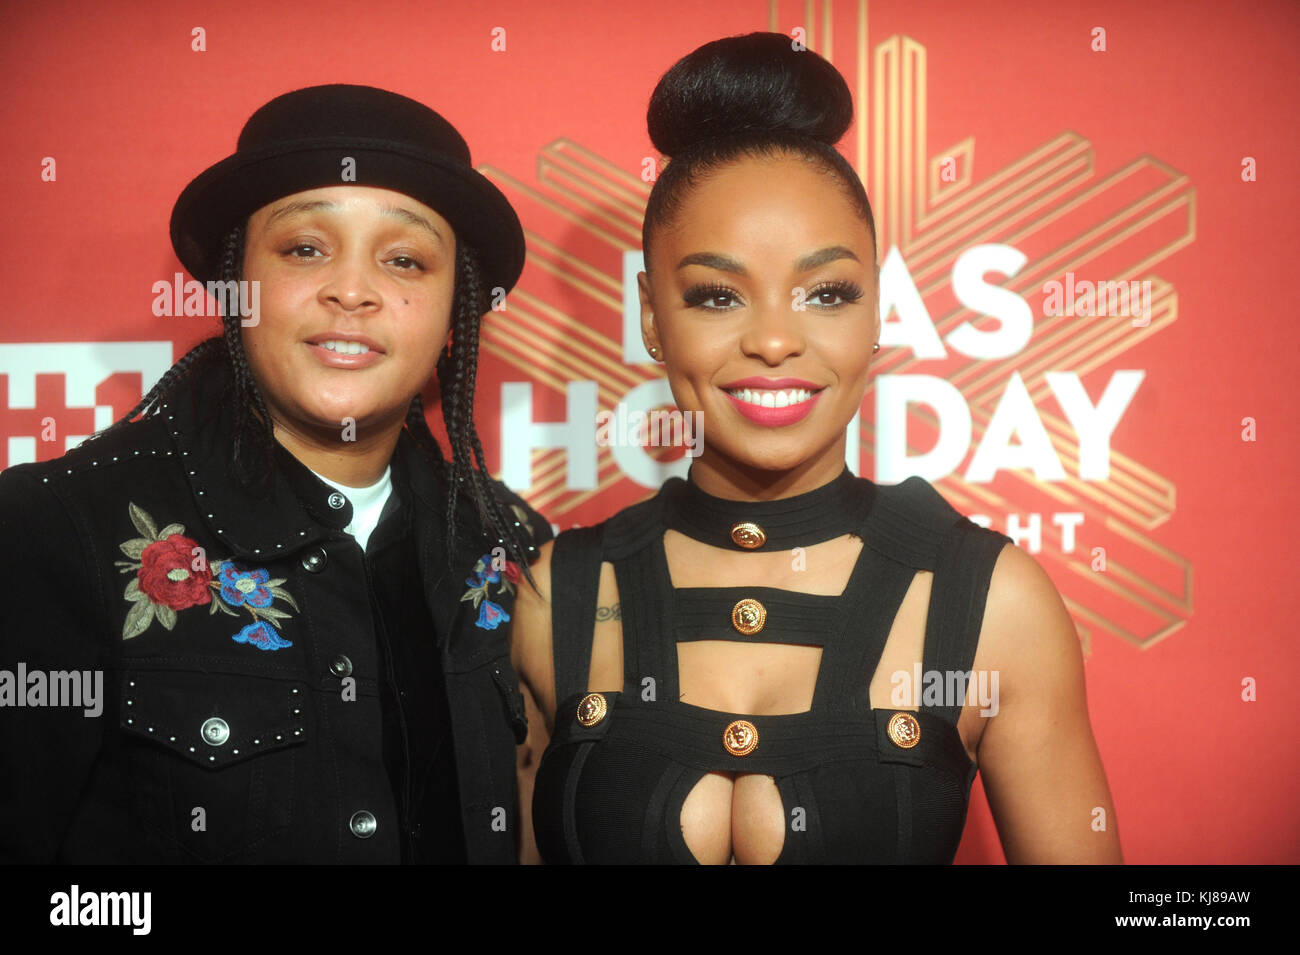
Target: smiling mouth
(773,398)
(344,348)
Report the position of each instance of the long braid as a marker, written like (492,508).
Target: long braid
(198,356)
(253,436)
(418,426)
(457,377)
(202,353)
(254,440)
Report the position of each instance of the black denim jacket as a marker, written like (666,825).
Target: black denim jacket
(241,664)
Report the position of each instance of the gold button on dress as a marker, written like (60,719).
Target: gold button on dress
(748,535)
(740,737)
(748,616)
(904,730)
(592,709)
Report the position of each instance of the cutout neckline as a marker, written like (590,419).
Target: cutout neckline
(824,513)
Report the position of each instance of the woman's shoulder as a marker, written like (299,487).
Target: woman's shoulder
(919,499)
(523,515)
(625,530)
(916,518)
(114,456)
(432,479)
(120,451)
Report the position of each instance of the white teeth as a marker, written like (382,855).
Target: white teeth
(345,348)
(772,399)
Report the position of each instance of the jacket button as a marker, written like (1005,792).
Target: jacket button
(363,824)
(314,560)
(341,666)
(336,501)
(215,731)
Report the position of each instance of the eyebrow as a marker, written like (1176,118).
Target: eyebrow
(822,256)
(711,260)
(812,260)
(303,206)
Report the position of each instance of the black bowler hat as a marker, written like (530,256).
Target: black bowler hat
(299,141)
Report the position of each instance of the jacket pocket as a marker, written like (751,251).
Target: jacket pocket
(212,759)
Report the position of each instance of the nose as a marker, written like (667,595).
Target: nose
(349,285)
(774,331)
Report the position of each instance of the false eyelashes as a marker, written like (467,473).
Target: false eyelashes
(847,293)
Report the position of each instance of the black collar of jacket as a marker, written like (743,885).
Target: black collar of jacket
(294,509)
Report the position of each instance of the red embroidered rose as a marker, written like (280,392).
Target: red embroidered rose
(512,572)
(166,576)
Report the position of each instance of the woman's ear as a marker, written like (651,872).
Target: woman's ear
(649,331)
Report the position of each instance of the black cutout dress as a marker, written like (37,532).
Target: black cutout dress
(858,785)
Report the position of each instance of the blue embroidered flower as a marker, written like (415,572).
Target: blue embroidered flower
(484,572)
(245,586)
(263,636)
(490,616)
(167,576)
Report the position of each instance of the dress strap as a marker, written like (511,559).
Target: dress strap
(910,523)
(575,572)
(962,573)
(648,601)
(634,545)
(871,600)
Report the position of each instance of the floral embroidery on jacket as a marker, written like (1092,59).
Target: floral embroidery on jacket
(172,574)
(261,636)
(489,570)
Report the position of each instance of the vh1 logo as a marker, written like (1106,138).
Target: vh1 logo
(54,395)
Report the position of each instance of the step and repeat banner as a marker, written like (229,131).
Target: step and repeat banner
(1113,188)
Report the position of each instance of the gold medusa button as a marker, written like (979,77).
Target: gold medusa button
(592,709)
(748,616)
(740,737)
(748,535)
(904,730)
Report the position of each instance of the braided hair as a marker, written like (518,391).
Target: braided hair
(254,438)
(457,378)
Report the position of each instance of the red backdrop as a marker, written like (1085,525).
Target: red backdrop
(998,123)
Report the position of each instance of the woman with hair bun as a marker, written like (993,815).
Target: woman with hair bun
(728,668)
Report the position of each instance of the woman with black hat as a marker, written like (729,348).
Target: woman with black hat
(774,660)
(292,601)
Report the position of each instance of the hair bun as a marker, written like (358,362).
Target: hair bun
(752,83)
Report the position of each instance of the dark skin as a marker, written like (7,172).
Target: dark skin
(749,231)
(347,259)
